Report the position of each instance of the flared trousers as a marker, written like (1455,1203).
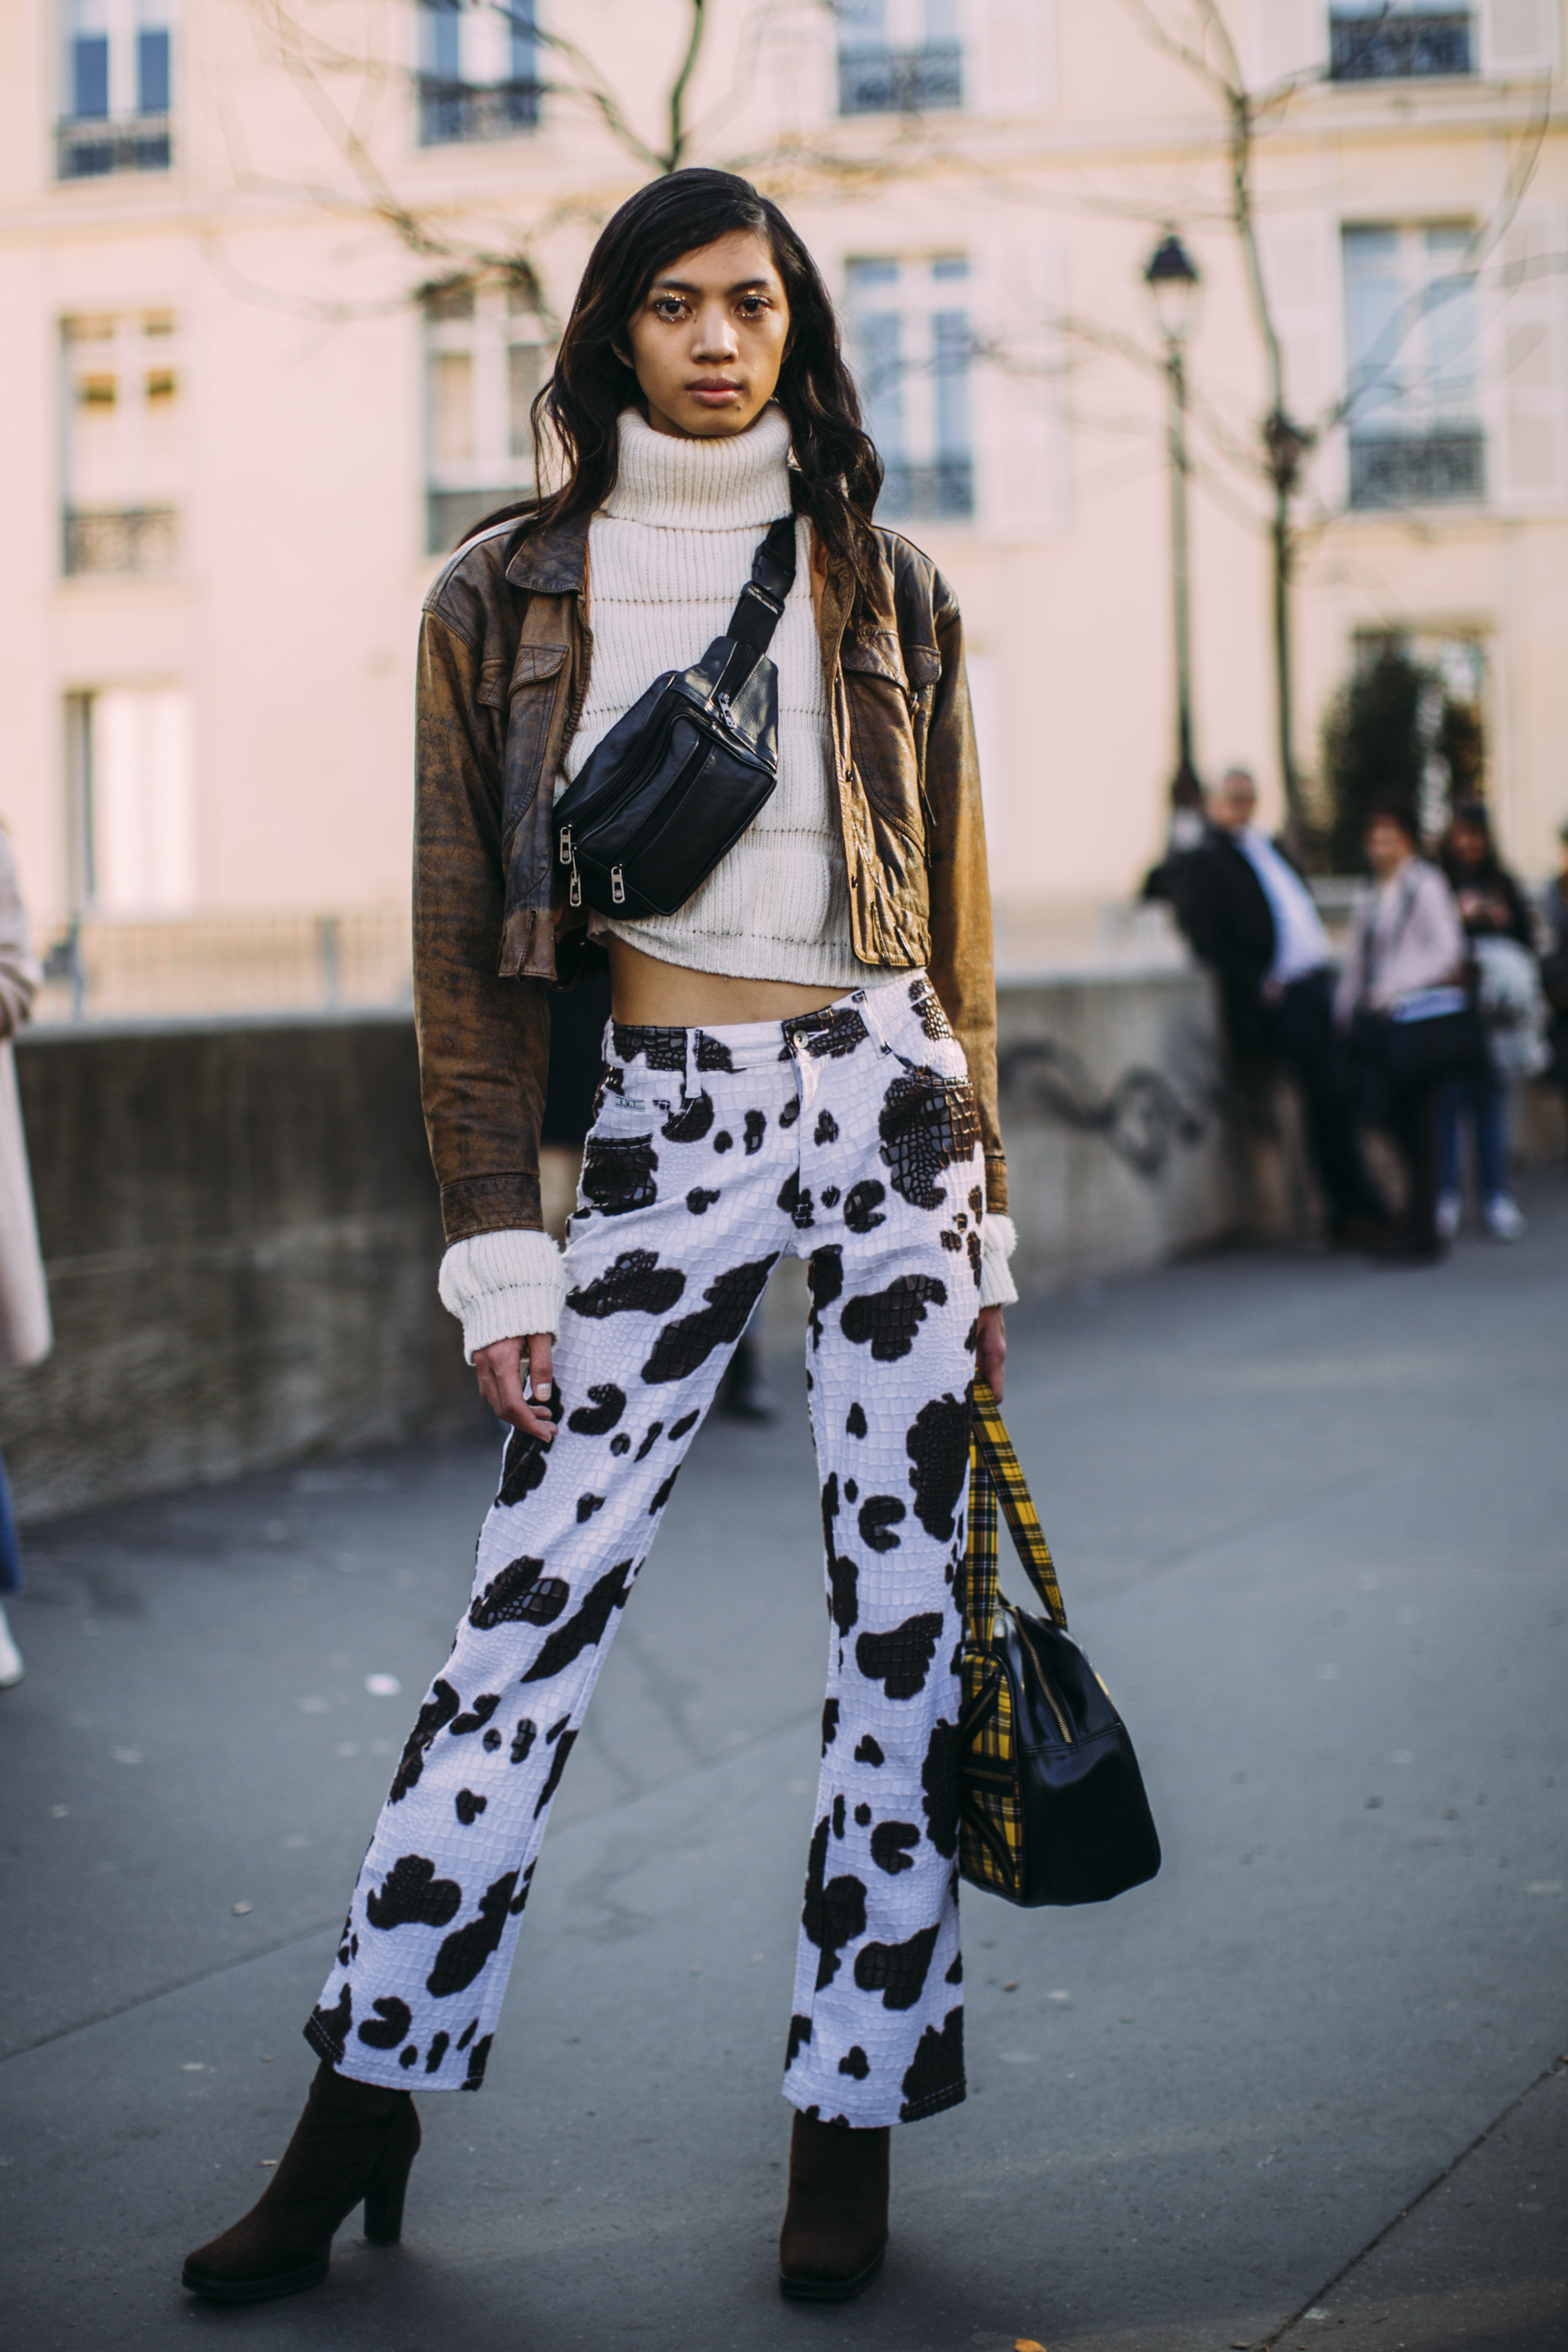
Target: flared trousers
(851,1138)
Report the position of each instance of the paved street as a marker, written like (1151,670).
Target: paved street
(1310,1518)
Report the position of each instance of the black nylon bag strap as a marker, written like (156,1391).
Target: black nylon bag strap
(761,607)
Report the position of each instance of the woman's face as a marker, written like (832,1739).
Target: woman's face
(1388,847)
(1468,844)
(709,338)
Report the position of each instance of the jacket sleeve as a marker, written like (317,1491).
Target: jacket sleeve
(484,1042)
(962,970)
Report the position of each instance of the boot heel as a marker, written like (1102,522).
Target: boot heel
(384,2203)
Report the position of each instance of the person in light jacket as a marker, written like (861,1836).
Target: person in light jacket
(25,1334)
(1407,936)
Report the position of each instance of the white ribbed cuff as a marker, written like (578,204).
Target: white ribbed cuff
(502,1287)
(997,1242)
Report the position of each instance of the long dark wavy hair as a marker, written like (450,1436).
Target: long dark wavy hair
(839,474)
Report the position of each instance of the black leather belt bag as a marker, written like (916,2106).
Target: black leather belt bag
(676,783)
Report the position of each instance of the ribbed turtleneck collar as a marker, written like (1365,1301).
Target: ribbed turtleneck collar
(733,481)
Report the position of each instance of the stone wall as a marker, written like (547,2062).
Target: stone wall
(1123,1145)
(242,1232)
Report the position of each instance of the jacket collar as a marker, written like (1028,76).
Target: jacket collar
(551,558)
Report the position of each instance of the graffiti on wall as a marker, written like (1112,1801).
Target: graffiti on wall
(1143,1117)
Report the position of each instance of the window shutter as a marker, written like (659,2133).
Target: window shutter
(1519,36)
(1529,463)
(1290,40)
(1019,411)
(1300,265)
(1010,56)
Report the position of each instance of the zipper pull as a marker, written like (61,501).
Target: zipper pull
(617,887)
(575,893)
(566,858)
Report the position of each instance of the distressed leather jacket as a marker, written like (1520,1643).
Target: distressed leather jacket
(504,652)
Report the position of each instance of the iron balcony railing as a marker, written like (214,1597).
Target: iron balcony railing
(900,82)
(1444,467)
(120,538)
(87,148)
(451,111)
(1400,47)
(943,490)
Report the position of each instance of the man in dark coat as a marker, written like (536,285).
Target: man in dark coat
(1247,913)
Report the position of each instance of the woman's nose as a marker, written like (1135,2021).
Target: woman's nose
(715,334)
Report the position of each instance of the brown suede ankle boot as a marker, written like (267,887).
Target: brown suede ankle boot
(352,2141)
(835,2227)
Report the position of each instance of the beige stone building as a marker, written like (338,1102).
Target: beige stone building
(265,357)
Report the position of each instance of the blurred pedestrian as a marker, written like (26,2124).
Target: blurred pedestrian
(1248,914)
(1496,917)
(1554,960)
(1402,1000)
(25,1334)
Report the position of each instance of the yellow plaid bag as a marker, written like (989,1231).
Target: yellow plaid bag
(1052,1807)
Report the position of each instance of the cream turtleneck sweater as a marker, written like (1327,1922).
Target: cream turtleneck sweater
(667,557)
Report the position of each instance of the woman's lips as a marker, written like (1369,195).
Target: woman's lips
(713,395)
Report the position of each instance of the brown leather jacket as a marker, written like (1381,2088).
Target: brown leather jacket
(504,652)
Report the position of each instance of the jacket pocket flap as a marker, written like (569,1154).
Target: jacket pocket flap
(881,655)
(499,680)
(877,654)
(536,661)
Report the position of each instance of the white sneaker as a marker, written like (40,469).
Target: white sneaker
(1504,1221)
(11,1666)
(1447,1216)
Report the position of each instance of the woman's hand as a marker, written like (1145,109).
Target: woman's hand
(501,1374)
(991,1350)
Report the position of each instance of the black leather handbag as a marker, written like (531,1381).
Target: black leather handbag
(676,783)
(1052,1807)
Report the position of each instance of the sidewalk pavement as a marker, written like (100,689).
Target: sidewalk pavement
(1306,2089)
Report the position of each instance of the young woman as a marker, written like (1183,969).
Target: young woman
(1491,907)
(801,1058)
(1406,938)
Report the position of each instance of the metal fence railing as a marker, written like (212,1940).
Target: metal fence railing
(100,970)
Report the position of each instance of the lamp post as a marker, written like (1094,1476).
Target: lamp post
(1172,280)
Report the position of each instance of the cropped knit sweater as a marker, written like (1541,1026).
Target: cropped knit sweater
(667,557)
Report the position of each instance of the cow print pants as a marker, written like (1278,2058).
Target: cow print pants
(849,1137)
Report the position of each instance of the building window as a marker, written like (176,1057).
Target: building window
(133,796)
(1412,337)
(486,355)
(910,342)
(478,70)
(1370,41)
(899,56)
(115,88)
(122,444)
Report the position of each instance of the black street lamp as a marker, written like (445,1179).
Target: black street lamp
(1172,280)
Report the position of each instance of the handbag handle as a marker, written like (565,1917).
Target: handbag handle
(995,1475)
